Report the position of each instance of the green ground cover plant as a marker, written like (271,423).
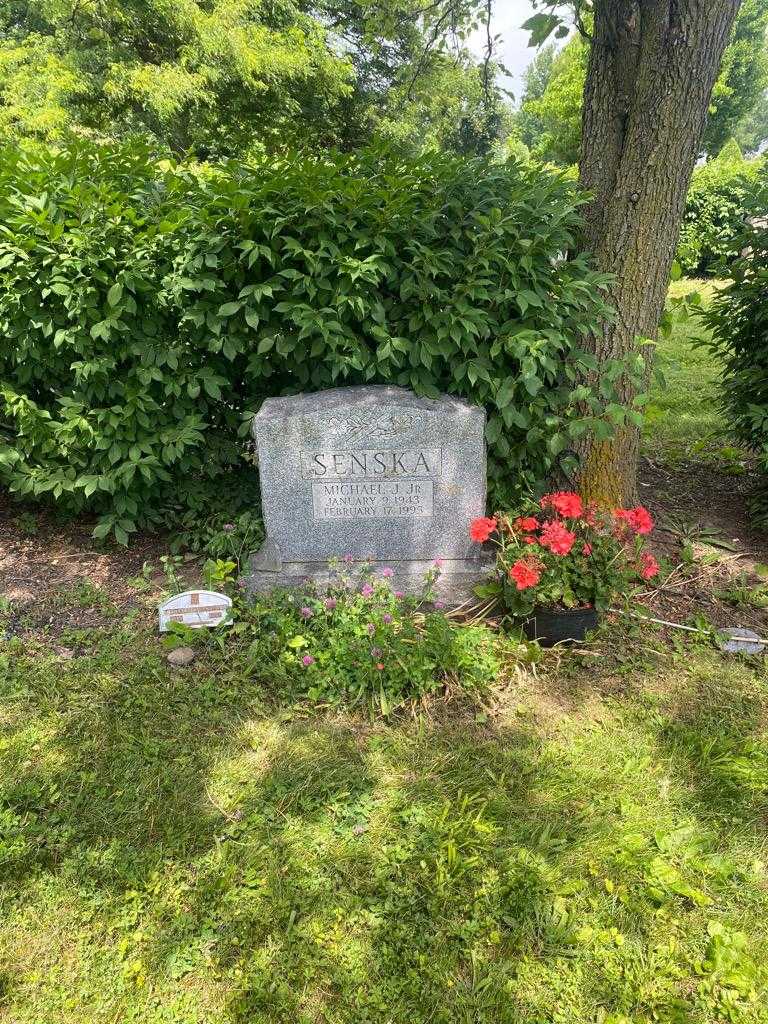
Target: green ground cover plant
(360,641)
(148,308)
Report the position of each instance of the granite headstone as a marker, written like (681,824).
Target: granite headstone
(371,473)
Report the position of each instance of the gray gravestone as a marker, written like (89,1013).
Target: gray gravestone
(374,473)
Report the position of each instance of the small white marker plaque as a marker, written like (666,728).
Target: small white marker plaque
(195,608)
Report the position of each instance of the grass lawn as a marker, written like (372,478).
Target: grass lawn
(683,419)
(586,842)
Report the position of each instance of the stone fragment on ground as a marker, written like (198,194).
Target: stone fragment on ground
(181,657)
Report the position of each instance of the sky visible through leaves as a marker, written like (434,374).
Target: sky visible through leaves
(514,51)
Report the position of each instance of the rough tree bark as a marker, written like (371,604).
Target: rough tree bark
(651,70)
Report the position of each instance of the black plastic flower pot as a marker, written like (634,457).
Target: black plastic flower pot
(552,626)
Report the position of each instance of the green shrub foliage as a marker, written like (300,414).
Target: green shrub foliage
(738,320)
(148,308)
(719,199)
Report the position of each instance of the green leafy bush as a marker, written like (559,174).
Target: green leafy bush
(716,210)
(738,320)
(148,308)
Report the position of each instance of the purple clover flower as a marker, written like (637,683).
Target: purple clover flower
(330,603)
(348,559)
(399,594)
(376,652)
(439,604)
(366,590)
(386,618)
(306,613)
(387,573)
(439,563)
(307,660)
(228,527)
(371,628)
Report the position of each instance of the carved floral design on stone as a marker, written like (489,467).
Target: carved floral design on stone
(373,424)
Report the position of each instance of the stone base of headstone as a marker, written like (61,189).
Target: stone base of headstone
(453,587)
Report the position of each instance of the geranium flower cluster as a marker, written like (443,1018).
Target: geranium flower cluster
(569,551)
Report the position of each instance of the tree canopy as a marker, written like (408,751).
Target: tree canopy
(222,77)
(549,118)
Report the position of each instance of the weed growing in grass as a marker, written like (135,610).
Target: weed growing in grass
(26,523)
(143,582)
(84,594)
(742,593)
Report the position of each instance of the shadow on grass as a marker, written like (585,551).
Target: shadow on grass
(321,869)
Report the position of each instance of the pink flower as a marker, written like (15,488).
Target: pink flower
(649,566)
(228,527)
(586,550)
(439,563)
(307,660)
(399,594)
(348,558)
(480,529)
(330,603)
(371,628)
(566,503)
(386,618)
(366,590)
(525,575)
(387,573)
(557,538)
(439,604)
(380,666)
(306,613)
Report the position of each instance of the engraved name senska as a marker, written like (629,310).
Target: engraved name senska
(394,462)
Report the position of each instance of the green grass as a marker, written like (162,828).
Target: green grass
(588,846)
(683,417)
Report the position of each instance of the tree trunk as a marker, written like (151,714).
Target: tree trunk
(651,70)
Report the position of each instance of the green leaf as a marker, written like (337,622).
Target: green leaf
(114,294)
(541,26)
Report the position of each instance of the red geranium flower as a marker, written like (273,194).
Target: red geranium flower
(566,503)
(638,518)
(480,529)
(557,538)
(526,523)
(649,567)
(641,521)
(529,540)
(525,575)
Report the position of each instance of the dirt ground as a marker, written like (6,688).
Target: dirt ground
(46,566)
